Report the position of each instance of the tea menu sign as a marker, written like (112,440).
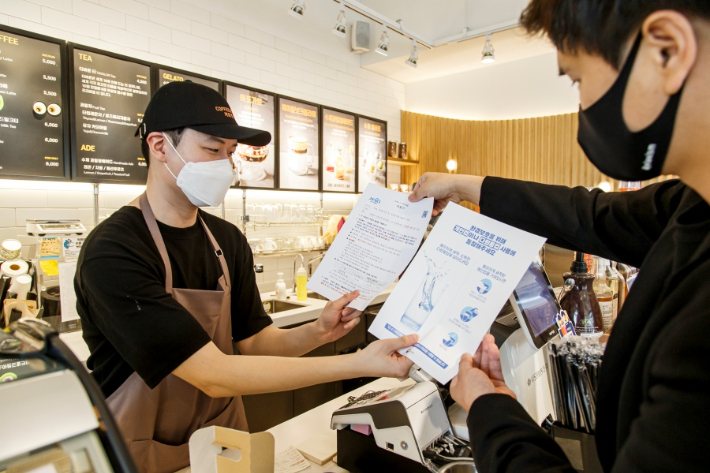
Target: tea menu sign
(256,166)
(338,170)
(110,96)
(32,109)
(299,125)
(373,153)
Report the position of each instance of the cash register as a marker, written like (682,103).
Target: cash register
(408,429)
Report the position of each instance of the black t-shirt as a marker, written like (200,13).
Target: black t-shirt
(130,322)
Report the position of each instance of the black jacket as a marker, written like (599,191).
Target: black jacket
(653,408)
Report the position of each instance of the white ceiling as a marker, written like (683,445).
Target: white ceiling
(429,20)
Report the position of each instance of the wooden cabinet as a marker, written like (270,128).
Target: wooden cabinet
(267,410)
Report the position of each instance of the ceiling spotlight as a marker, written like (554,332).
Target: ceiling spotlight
(605,186)
(451,165)
(488,55)
(413,56)
(298,9)
(384,45)
(340,23)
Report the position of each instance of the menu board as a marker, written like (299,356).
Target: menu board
(32,131)
(166,76)
(110,97)
(299,146)
(339,166)
(256,165)
(373,151)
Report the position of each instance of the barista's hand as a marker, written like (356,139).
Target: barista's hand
(336,320)
(445,188)
(380,358)
(479,375)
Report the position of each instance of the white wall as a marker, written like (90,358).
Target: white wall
(522,89)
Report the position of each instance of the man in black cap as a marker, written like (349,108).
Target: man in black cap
(164,290)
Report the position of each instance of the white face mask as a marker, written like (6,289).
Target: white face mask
(205,183)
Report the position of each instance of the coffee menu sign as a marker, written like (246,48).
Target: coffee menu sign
(256,166)
(32,108)
(339,164)
(299,125)
(372,152)
(110,96)
(166,76)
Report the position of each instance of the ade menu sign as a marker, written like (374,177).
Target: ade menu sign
(373,151)
(338,170)
(256,165)
(110,96)
(32,114)
(299,125)
(166,76)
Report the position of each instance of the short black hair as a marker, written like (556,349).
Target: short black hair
(599,26)
(174,135)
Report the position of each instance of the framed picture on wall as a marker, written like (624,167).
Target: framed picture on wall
(339,145)
(372,152)
(34,115)
(257,167)
(109,96)
(299,145)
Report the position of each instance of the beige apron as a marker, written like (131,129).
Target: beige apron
(157,423)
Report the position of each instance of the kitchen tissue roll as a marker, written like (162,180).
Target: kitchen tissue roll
(21,285)
(14,268)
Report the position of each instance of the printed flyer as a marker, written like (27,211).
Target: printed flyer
(455,287)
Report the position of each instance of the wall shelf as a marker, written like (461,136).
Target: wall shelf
(401,162)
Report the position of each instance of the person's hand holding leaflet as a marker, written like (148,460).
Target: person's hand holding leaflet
(445,188)
(337,320)
(479,375)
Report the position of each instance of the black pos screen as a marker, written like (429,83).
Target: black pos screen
(536,300)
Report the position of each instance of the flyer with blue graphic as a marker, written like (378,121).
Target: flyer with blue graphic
(455,287)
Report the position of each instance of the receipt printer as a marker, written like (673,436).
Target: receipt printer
(401,423)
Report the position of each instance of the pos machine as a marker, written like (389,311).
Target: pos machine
(408,429)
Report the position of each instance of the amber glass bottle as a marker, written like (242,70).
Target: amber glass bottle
(579,300)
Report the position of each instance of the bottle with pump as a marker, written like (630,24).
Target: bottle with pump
(605,295)
(301,280)
(280,286)
(579,300)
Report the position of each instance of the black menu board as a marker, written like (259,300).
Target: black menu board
(373,152)
(338,170)
(298,145)
(166,76)
(256,165)
(33,124)
(109,99)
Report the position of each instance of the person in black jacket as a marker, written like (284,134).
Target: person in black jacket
(643,68)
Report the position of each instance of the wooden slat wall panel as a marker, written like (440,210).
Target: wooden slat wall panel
(540,149)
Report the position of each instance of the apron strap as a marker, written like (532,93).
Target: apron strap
(220,255)
(158,239)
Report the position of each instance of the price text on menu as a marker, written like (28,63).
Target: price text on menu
(31,107)
(110,96)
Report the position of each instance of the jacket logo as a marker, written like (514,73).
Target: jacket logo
(650,154)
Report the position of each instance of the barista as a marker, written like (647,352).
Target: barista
(643,69)
(165,289)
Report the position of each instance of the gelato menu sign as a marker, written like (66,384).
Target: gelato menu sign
(166,76)
(110,96)
(256,165)
(32,134)
(338,168)
(373,152)
(299,124)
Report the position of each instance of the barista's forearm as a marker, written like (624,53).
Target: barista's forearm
(220,375)
(273,341)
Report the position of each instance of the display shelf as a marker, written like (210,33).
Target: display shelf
(402,162)
(290,252)
(263,224)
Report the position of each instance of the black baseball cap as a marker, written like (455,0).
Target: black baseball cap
(196,106)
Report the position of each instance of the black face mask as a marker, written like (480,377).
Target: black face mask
(607,141)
